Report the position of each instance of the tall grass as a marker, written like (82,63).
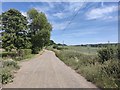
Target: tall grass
(104,75)
(7,70)
(10,61)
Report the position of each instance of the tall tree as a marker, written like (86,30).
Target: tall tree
(39,29)
(14,27)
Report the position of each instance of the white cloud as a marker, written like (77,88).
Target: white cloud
(45,9)
(59,26)
(24,13)
(41,9)
(49,6)
(76,6)
(59,15)
(69,9)
(103,13)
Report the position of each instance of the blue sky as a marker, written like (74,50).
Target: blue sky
(76,22)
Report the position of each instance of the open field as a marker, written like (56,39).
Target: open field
(85,50)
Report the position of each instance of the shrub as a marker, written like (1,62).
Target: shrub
(55,46)
(9,54)
(105,54)
(35,50)
(10,63)
(97,75)
(22,53)
(6,73)
(112,68)
(118,53)
(6,76)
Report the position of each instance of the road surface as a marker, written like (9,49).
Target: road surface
(47,71)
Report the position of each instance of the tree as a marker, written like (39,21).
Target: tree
(39,30)
(52,42)
(14,27)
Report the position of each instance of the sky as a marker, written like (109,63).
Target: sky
(76,23)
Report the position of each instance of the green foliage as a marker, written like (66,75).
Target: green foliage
(6,73)
(106,54)
(8,54)
(20,55)
(32,13)
(39,30)
(41,38)
(112,68)
(6,76)
(23,54)
(14,25)
(55,46)
(51,42)
(118,53)
(10,63)
(17,34)
(35,50)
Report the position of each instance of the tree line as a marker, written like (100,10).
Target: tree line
(24,32)
(99,45)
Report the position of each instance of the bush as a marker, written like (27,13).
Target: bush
(112,68)
(9,54)
(10,63)
(35,50)
(55,46)
(118,53)
(97,75)
(6,75)
(105,54)
(22,54)
(59,47)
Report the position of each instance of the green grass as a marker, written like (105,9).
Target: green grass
(84,50)
(7,70)
(104,75)
(10,62)
(79,49)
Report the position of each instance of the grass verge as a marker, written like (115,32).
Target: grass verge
(104,75)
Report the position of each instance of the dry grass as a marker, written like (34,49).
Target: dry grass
(104,75)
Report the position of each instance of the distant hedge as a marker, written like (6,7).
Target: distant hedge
(8,54)
(22,53)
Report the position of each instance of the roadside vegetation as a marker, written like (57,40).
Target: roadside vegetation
(22,38)
(100,65)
